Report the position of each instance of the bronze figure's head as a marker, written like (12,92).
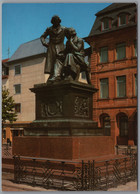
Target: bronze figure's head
(70,33)
(55,20)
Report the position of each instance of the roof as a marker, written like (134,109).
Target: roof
(112,11)
(28,49)
(5,60)
(4,65)
(114,6)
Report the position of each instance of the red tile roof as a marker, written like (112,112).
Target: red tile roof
(5,60)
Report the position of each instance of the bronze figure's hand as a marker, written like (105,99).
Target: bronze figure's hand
(60,56)
(46,44)
(71,40)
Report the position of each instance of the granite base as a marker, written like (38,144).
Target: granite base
(66,148)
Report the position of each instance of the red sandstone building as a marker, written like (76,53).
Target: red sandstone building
(113,60)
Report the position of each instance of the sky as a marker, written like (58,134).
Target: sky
(23,22)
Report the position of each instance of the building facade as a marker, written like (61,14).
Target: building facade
(113,39)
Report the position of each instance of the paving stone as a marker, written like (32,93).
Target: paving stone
(130,186)
(8,185)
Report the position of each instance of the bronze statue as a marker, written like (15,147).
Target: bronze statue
(64,63)
(74,61)
(56,35)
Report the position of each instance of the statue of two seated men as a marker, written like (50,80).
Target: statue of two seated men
(64,62)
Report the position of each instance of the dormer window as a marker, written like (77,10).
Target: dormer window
(122,19)
(105,24)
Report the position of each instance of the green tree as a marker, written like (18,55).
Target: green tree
(8,112)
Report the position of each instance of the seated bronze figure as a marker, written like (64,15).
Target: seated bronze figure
(73,58)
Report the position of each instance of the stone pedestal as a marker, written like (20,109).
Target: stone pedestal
(63,108)
(63,128)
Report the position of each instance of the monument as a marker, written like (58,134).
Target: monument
(63,127)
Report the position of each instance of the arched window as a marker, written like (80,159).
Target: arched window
(122,121)
(105,123)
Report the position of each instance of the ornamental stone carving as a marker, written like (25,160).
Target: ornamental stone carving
(81,107)
(52,108)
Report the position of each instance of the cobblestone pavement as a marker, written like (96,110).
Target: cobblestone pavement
(130,186)
(8,185)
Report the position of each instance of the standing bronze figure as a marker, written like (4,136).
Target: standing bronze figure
(56,35)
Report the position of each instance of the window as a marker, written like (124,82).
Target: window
(5,70)
(135,48)
(120,51)
(122,19)
(123,125)
(136,85)
(17,88)
(105,24)
(17,69)
(21,133)
(105,123)
(103,55)
(121,86)
(15,133)
(104,88)
(18,108)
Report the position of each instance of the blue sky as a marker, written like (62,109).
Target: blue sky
(23,22)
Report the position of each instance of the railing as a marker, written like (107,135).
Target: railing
(126,150)
(75,176)
(6,151)
(111,173)
(63,175)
